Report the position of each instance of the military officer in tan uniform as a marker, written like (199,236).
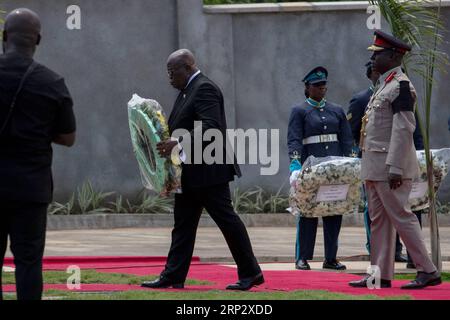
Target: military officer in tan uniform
(389,165)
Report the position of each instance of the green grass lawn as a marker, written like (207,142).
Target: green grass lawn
(94,277)
(445,276)
(209,295)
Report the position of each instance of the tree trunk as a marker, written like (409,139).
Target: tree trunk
(434,225)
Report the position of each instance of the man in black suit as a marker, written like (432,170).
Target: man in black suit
(203,185)
(35,110)
(358,105)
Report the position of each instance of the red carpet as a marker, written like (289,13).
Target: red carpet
(220,276)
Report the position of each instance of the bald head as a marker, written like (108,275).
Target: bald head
(182,56)
(180,67)
(22,30)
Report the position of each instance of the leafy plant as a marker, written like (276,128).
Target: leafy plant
(259,201)
(244,201)
(442,208)
(120,205)
(62,209)
(418,23)
(153,204)
(276,203)
(89,200)
(2,21)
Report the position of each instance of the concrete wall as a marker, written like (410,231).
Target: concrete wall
(258,57)
(121,49)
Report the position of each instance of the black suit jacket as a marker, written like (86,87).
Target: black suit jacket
(356,112)
(202,101)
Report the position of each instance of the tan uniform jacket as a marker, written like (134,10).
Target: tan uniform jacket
(387,130)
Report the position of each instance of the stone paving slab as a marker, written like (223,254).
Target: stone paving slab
(270,244)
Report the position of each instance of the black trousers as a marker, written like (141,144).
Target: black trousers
(25,224)
(188,209)
(306,237)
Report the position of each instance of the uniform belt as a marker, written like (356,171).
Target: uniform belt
(321,139)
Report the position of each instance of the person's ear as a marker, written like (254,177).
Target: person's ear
(189,68)
(38,41)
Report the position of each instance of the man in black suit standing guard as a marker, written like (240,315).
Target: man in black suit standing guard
(203,185)
(35,111)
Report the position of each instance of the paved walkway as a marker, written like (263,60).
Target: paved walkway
(270,244)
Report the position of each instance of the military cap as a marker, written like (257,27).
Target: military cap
(384,41)
(318,74)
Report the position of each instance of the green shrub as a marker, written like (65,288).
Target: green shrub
(87,200)
(259,201)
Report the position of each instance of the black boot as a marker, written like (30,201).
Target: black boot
(302,265)
(162,282)
(334,265)
(363,283)
(423,280)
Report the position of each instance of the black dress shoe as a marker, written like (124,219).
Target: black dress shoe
(410,265)
(246,283)
(424,280)
(400,258)
(334,265)
(302,265)
(363,283)
(162,282)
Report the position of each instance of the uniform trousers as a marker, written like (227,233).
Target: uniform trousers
(306,237)
(389,211)
(25,224)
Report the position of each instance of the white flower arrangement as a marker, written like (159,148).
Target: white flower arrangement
(440,170)
(341,172)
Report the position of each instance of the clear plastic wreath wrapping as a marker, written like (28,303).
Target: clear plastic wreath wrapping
(419,195)
(326,187)
(148,127)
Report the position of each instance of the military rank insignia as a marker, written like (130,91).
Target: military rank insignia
(390,77)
